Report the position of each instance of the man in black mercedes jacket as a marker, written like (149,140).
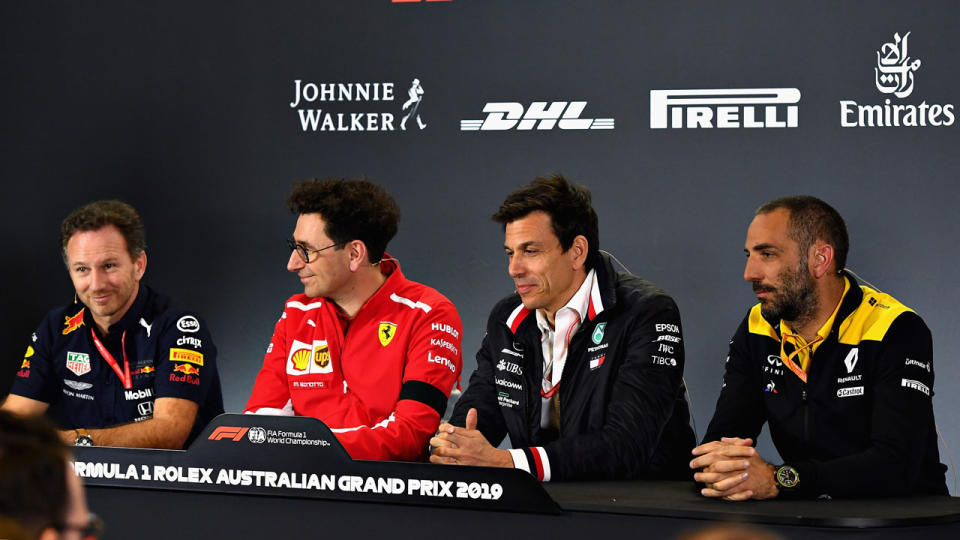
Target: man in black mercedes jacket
(842,373)
(582,366)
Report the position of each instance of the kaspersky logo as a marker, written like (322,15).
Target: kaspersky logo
(71,323)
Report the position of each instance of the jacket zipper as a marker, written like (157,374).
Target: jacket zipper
(806,415)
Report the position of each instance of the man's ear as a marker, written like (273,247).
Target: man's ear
(822,261)
(140,265)
(357,251)
(579,250)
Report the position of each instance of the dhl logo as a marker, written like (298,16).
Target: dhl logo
(228,432)
(72,323)
(186,369)
(186,355)
(300,359)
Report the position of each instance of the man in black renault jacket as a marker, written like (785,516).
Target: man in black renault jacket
(582,366)
(842,373)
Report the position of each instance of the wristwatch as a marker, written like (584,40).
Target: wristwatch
(787,478)
(83,438)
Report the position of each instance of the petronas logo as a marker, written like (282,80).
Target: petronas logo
(598,333)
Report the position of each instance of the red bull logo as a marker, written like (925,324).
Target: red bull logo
(71,323)
(186,369)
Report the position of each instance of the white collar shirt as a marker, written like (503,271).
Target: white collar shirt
(566,322)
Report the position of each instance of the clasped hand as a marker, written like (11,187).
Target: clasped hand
(732,469)
(454,445)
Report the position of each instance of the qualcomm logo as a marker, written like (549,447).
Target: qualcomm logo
(724,108)
(544,115)
(894,74)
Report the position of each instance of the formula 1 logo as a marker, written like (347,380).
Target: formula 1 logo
(228,432)
(505,115)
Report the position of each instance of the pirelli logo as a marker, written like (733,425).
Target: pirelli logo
(915,385)
(228,432)
(186,355)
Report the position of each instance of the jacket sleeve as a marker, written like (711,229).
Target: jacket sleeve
(270,394)
(36,378)
(431,368)
(189,370)
(641,403)
(740,408)
(481,394)
(901,420)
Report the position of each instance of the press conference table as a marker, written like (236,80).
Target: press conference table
(220,487)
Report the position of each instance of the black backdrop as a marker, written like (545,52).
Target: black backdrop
(183,109)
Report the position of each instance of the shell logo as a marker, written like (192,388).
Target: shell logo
(300,359)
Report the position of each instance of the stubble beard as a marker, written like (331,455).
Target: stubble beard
(796,300)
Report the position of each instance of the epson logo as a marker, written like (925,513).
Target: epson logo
(143,393)
(724,108)
(544,115)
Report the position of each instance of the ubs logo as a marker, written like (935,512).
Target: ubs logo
(509,367)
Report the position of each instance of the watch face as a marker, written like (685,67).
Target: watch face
(787,477)
(84,440)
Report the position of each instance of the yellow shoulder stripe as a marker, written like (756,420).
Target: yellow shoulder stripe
(871,320)
(756,324)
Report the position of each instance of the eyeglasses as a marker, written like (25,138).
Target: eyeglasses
(92,530)
(304,252)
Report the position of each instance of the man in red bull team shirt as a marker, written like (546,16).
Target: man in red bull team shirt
(120,365)
(367,351)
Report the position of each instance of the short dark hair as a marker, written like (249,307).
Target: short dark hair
(569,207)
(98,214)
(351,209)
(811,219)
(33,473)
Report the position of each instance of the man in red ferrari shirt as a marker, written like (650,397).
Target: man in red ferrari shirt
(367,351)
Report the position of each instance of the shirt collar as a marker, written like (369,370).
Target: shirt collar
(580,302)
